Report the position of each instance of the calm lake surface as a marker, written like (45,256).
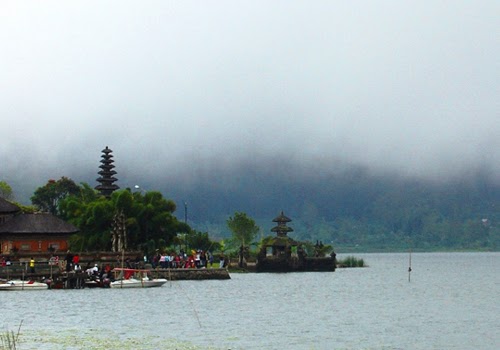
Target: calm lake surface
(452,302)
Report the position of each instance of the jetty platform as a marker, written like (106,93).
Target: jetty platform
(77,280)
(192,274)
(47,269)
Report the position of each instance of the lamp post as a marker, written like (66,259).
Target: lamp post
(139,189)
(145,231)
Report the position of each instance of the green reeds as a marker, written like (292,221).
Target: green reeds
(9,339)
(351,261)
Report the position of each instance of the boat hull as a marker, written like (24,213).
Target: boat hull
(137,283)
(23,285)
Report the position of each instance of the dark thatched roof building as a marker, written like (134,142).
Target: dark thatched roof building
(7,210)
(7,207)
(38,223)
(40,232)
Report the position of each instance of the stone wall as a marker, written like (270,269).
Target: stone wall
(191,274)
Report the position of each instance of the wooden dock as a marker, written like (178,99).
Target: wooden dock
(77,280)
(47,270)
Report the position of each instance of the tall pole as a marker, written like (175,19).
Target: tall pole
(185,221)
(185,212)
(409,268)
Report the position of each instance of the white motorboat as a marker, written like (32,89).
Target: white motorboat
(138,283)
(135,278)
(23,285)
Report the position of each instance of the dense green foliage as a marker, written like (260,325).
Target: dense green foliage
(149,219)
(46,198)
(6,191)
(243,228)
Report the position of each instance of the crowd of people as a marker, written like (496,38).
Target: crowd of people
(172,260)
(5,261)
(196,259)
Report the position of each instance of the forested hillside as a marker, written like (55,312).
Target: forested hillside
(351,209)
(355,210)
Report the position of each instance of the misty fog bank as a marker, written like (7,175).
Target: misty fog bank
(263,191)
(222,96)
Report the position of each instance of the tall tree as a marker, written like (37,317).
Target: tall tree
(147,219)
(46,198)
(244,231)
(5,191)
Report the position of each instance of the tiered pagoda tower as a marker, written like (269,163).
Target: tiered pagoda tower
(107,173)
(282,229)
(284,254)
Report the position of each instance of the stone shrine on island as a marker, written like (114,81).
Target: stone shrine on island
(284,254)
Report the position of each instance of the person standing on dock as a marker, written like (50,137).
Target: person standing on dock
(76,259)
(32,265)
(69,261)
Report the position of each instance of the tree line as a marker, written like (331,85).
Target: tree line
(148,219)
(366,214)
(379,217)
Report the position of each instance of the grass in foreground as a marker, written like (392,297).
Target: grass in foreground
(9,339)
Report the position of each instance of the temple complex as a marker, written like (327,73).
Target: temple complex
(283,254)
(107,179)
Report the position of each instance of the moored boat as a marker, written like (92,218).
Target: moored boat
(138,283)
(135,278)
(23,285)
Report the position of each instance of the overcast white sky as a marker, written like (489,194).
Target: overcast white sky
(411,86)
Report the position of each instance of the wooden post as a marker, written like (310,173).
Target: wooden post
(409,268)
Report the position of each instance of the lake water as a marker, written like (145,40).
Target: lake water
(451,302)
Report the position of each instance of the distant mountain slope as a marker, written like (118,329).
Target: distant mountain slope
(350,207)
(353,207)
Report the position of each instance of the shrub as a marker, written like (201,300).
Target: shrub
(351,261)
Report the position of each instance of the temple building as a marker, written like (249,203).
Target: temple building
(282,229)
(31,232)
(107,179)
(283,254)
